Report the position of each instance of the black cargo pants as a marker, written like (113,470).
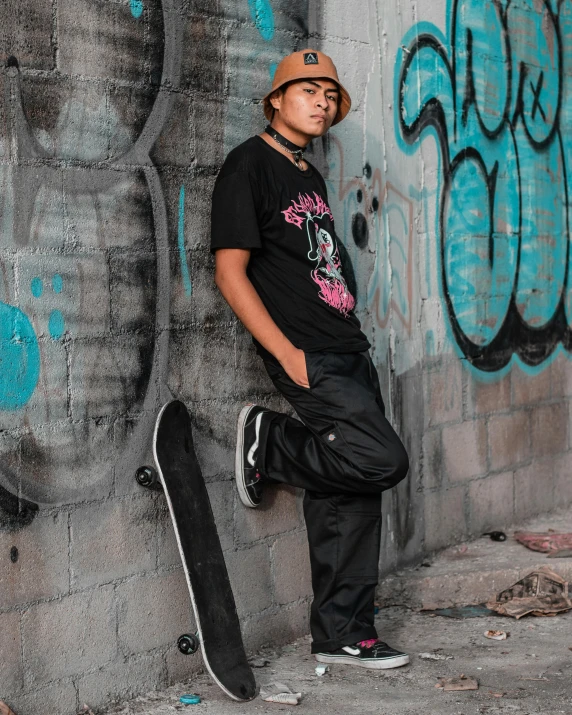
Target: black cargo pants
(344,453)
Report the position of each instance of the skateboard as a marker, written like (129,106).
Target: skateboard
(218,629)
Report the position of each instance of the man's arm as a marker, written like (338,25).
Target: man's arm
(240,294)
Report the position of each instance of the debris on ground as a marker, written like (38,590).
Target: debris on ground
(546,542)
(322,670)
(541,593)
(259,662)
(86,710)
(191,699)
(561,554)
(461,683)
(4,709)
(496,535)
(476,611)
(435,656)
(497,635)
(279,693)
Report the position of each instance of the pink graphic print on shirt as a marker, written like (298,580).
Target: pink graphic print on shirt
(327,272)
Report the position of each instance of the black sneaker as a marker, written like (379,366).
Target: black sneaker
(248,480)
(367,654)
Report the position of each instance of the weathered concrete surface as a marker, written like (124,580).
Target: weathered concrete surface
(475,571)
(115,116)
(530,672)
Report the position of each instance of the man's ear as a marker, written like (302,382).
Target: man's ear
(276,98)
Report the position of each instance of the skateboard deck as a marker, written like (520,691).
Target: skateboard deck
(218,627)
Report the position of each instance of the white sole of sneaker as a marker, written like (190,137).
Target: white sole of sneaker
(239,458)
(374,664)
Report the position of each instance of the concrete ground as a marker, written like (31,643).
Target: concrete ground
(529,673)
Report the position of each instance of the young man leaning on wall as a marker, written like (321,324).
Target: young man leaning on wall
(278,266)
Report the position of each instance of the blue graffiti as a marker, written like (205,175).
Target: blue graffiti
(19,358)
(56,324)
(263,16)
(57,283)
(495,94)
(37,287)
(188,286)
(137,8)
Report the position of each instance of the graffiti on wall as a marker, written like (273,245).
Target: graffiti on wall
(495,94)
(61,342)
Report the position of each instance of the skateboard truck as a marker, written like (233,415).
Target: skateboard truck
(147,477)
(188,644)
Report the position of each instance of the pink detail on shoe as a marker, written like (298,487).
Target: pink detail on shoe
(368,644)
(257,475)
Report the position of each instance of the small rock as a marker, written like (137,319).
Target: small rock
(435,656)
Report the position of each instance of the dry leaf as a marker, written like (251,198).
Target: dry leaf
(4,709)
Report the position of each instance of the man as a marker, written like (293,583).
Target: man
(278,266)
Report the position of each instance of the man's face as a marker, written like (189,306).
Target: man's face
(308,106)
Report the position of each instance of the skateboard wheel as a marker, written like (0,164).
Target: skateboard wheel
(188,644)
(147,477)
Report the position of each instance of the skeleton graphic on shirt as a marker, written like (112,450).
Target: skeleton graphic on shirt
(310,212)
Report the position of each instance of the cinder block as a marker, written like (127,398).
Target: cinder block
(277,513)
(492,503)
(432,467)
(207,304)
(444,393)
(120,215)
(250,578)
(11,667)
(122,680)
(534,489)
(69,636)
(78,455)
(291,568)
(203,368)
(550,429)
(510,439)
(112,540)
(153,611)
(41,570)
(339,21)
(25,32)
(445,521)
(561,376)
(60,697)
(527,389)
(176,144)
(211,146)
(252,378)
(104,40)
(563,480)
(133,291)
(487,397)
(277,626)
(214,433)
(204,56)
(109,376)
(465,450)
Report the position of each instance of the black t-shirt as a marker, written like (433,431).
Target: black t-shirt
(263,202)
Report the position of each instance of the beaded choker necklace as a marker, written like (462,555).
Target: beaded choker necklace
(290,147)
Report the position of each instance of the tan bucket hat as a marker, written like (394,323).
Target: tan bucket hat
(303,65)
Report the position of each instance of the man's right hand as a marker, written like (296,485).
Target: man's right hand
(295,366)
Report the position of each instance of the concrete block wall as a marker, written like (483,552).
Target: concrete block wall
(114,119)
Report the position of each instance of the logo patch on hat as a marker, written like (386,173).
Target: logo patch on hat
(310,58)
